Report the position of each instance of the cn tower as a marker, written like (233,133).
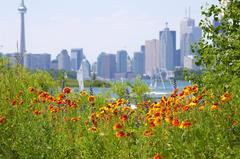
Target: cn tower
(22,10)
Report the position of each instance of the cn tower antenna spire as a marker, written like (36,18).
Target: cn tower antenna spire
(22,10)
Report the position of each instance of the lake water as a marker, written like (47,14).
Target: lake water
(160,88)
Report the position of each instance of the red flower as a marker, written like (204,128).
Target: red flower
(36,112)
(176,122)
(157,114)
(2,120)
(123,117)
(66,90)
(117,126)
(120,134)
(93,129)
(14,102)
(31,89)
(214,106)
(185,124)
(148,133)
(75,119)
(157,156)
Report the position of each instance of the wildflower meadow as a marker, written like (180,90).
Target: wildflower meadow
(40,120)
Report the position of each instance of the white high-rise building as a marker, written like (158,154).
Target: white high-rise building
(76,58)
(189,35)
(64,61)
(185,25)
(152,56)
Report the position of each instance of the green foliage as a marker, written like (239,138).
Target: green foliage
(139,88)
(119,88)
(219,50)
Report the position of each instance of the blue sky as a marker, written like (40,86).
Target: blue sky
(95,25)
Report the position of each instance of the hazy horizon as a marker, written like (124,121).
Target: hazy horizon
(95,26)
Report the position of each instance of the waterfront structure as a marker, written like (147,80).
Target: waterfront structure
(138,63)
(152,56)
(76,58)
(37,61)
(121,61)
(64,61)
(106,66)
(22,10)
(167,41)
(86,69)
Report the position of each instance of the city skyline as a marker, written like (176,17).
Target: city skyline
(132,23)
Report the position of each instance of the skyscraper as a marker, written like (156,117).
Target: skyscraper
(152,56)
(167,41)
(185,23)
(64,61)
(37,61)
(143,51)
(129,64)
(177,58)
(106,66)
(189,35)
(22,10)
(121,60)
(76,58)
(138,63)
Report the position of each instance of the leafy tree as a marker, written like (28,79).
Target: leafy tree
(119,88)
(139,88)
(218,52)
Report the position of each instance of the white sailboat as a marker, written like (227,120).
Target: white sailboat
(80,78)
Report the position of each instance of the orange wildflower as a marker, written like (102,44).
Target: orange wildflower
(152,124)
(91,99)
(66,90)
(226,97)
(61,96)
(31,89)
(75,119)
(14,102)
(120,134)
(214,106)
(117,126)
(93,129)
(157,114)
(185,108)
(2,120)
(157,121)
(66,119)
(148,133)
(158,156)
(123,117)
(235,122)
(201,108)
(168,119)
(185,124)
(176,122)
(36,112)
